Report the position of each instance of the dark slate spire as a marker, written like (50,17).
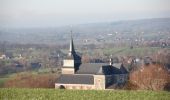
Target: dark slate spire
(71,51)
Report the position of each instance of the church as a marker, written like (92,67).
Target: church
(86,76)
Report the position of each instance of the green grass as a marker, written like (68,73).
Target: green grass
(2,81)
(54,94)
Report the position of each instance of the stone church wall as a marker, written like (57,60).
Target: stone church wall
(68,63)
(67,70)
(99,82)
(75,86)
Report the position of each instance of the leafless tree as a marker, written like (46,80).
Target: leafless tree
(151,77)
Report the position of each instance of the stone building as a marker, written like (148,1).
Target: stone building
(78,75)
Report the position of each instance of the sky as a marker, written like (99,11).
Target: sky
(55,13)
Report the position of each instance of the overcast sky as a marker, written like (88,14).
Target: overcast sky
(52,13)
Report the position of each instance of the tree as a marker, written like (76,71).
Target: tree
(151,77)
(85,59)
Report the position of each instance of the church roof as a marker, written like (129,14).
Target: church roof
(72,53)
(72,44)
(105,70)
(101,69)
(90,68)
(118,68)
(73,56)
(75,79)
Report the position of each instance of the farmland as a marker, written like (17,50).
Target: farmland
(53,94)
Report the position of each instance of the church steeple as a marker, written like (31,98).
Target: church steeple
(72,62)
(71,51)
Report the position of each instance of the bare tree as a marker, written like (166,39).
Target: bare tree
(151,77)
(85,59)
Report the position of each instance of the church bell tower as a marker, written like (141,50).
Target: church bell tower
(72,61)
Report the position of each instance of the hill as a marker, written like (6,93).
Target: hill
(53,94)
(146,29)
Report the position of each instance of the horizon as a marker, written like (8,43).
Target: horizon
(75,25)
(57,13)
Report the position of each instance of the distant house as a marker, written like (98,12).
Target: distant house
(35,65)
(3,57)
(7,55)
(78,75)
(147,60)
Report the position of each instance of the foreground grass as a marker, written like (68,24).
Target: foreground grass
(53,94)
(2,81)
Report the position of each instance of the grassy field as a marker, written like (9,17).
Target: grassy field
(2,80)
(53,94)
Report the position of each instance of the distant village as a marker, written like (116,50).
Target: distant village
(88,67)
(98,56)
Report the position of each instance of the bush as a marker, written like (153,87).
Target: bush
(130,86)
(26,80)
(151,77)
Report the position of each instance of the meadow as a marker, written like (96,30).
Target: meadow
(55,94)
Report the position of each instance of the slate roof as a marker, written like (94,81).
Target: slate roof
(118,68)
(90,68)
(101,69)
(117,65)
(75,79)
(105,70)
(73,56)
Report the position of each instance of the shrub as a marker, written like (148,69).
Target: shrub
(27,80)
(150,77)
